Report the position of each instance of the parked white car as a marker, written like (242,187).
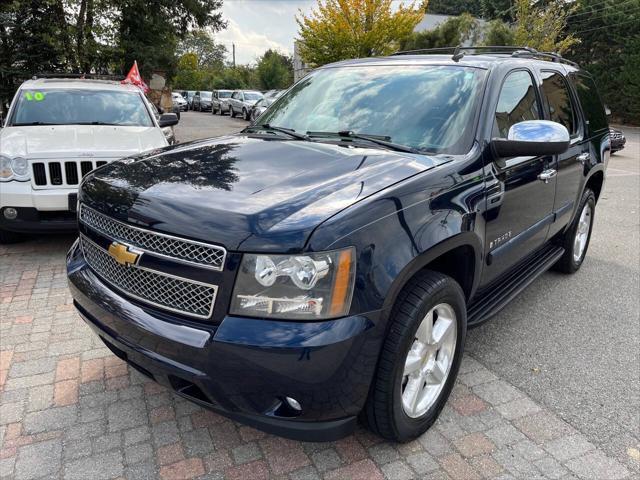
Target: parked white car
(179,102)
(58,130)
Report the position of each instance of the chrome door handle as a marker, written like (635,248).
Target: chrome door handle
(547,175)
(583,158)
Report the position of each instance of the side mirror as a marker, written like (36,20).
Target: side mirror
(168,120)
(607,111)
(533,138)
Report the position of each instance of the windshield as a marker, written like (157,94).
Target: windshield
(78,106)
(206,95)
(429,108)
(225,94)
(252,96)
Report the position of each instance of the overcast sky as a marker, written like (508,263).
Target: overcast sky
(257,25)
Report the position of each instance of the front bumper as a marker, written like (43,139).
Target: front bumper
(243,368)
(39,211)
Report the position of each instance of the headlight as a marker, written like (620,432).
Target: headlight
(20,168)
(14,169)
(299,287)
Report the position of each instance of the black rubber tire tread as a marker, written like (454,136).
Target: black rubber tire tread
(566,264)
(10,237)
(421,290)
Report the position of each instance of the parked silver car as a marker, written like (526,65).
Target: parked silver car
(220,101)
(241,102)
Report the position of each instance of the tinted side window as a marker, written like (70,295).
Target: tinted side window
(590,101)
(557,94)
(518,102)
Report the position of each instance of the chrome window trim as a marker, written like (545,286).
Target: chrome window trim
(152,232)
(84,238)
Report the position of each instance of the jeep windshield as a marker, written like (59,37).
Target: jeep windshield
(80,107)
(430,109)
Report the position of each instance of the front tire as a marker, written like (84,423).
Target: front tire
(420,358)
(577,237)
(245,115)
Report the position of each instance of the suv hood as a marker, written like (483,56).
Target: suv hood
(246,192)
(68,141)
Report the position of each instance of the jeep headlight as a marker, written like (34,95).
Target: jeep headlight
(314,286)
(14,169)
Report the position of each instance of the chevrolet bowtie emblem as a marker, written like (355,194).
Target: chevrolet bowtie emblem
(123,254)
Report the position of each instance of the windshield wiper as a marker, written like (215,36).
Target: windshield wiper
(377,139)
(97,123)
(32,124)
(287,131)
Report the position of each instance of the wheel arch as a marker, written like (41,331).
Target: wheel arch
(595,182)
(458,257)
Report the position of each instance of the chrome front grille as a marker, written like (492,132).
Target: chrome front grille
(162,290)
(180,249)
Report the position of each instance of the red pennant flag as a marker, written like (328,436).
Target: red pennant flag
(134,78)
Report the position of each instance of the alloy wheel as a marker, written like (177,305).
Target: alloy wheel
(582,233)
(429,360)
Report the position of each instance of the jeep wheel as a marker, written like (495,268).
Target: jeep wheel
(576,239)
(232,114)
(420,358)
(10,237)
(245,114)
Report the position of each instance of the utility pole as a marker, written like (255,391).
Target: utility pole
(233,47)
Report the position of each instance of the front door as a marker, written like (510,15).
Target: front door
(561,108)
(521,190)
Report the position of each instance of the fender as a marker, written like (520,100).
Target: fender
(464,239)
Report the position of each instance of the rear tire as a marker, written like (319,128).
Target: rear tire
(578,235)
(432,308)
(7,237)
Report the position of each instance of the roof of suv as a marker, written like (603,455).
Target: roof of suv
(477,61)
(73,83)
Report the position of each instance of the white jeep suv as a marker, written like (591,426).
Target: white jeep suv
(57,131)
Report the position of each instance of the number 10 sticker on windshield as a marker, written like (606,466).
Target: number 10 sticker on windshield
(34,96)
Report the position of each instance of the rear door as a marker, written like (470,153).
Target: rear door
(519,202)
(561,107)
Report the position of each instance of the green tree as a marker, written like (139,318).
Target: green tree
(209,53)
(188,76)
(341,29)
(274,70)
(498,32)
(34,38)
(608,49)
(455,7)
(454,31)
(543,27)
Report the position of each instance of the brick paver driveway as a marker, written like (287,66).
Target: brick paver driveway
(70,409)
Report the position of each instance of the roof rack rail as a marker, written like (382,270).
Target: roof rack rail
(459,51)
(85,76)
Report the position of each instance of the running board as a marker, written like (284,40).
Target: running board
(498,296)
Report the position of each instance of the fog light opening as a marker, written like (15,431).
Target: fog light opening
(10,213)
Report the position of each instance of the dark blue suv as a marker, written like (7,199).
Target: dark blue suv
(325,264)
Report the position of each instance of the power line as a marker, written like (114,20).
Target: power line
(606,7)
(605,26)
(586,21)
